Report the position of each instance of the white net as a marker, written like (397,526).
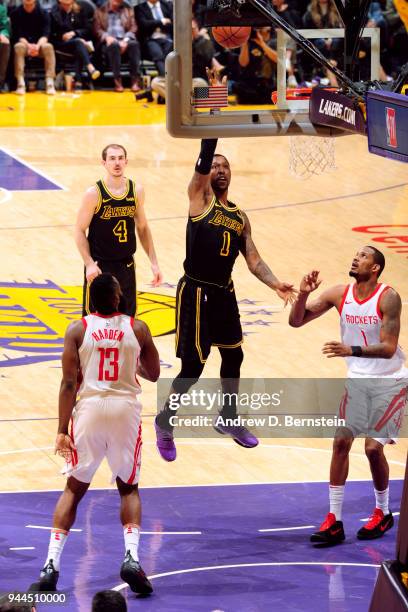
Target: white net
(310,156)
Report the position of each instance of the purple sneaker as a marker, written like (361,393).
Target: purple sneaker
(241,435)
(165,442)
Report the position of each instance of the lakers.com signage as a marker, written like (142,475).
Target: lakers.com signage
(34,317)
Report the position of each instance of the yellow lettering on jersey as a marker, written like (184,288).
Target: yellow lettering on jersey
(120,230)
(110,212)
(220,219)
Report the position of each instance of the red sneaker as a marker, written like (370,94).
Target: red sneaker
(377,525)
(330,532)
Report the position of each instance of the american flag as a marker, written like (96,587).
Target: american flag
(215,96)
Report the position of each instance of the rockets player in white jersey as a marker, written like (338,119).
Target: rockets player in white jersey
(376,389)
(103,353)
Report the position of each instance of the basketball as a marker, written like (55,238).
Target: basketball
(231,37)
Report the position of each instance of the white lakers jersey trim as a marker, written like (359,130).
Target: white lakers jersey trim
(109,356)
(360,325)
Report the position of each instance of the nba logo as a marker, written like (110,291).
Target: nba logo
(391,123)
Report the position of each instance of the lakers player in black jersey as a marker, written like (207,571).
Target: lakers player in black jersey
(111,211)
(207,310)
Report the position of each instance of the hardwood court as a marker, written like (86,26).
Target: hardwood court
(297,226)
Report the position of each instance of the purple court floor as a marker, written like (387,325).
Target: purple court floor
(206,549)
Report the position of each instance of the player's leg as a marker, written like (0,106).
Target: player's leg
(64,518)
(125,274)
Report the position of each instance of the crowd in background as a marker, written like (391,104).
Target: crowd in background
(115,38)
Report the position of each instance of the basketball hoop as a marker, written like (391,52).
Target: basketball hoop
(311,156)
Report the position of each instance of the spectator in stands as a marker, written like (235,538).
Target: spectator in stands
(4,44)
(398,36)
(31,31)
(324,14)
(155,19)
(290,14)
(115,28)
(71,32)
(258,60)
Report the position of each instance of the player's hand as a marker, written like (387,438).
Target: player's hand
(92,270)
(310,282)
(214,77)
(64,446)
(157,276)
(336,349)
(286,292)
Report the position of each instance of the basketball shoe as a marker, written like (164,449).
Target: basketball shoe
(241,435)
(377,525)
(48,578)
(132,573)
(330,532)
(165,442)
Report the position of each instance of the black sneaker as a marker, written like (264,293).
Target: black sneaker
(330,532)
(377,525)
(48,578)
(132,573)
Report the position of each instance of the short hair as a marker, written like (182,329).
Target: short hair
(101,291)
(14,606)
(109,601)
(378,258)
(113,146)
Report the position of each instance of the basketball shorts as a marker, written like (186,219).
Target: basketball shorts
(106,427)
(124,271)
(374,407)
(205,316)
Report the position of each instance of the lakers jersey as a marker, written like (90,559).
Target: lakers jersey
(360,324)
(212,243)
(108,357)
(111,233)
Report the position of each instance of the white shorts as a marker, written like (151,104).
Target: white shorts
(106,427)
(374,407)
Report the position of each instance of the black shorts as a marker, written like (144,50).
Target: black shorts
(124,271)
(205,316)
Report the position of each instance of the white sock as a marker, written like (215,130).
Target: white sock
(381,500)
(336,496)
(57,542)
(131,533)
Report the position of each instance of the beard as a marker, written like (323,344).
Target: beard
(353,274)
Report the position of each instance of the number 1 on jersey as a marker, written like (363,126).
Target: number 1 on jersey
(120,230)
(112,370)
(226,244)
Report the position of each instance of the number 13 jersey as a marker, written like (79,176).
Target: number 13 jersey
(212,243)
(109,356)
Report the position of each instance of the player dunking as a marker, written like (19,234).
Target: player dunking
(108,349)
(207,310)
(111,210)
(376,388)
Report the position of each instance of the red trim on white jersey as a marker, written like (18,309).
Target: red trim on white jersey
(380,314)
(343,404)
(367,298)
(74,453)
(114,314)
(397,403)
(343,299)
(138,448)
(84,323)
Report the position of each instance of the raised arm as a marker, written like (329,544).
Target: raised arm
(260,269)
(83,221)
(302,312)
(145,236)
(199,189)
(149,364)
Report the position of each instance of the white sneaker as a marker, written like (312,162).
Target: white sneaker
(21,88)
(90,46)
(292,82)
(50,87)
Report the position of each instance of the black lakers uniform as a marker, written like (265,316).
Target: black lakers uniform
(112,242)
(206,308)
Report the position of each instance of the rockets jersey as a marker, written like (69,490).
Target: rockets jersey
(109,355)
(111,233)
(213,240)
(360,325)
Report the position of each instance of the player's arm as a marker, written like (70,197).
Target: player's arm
(260,269)
(199,189)
(68,388)
(149,361)
(145,236)
(83,221)
(390,307)
(304,310)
